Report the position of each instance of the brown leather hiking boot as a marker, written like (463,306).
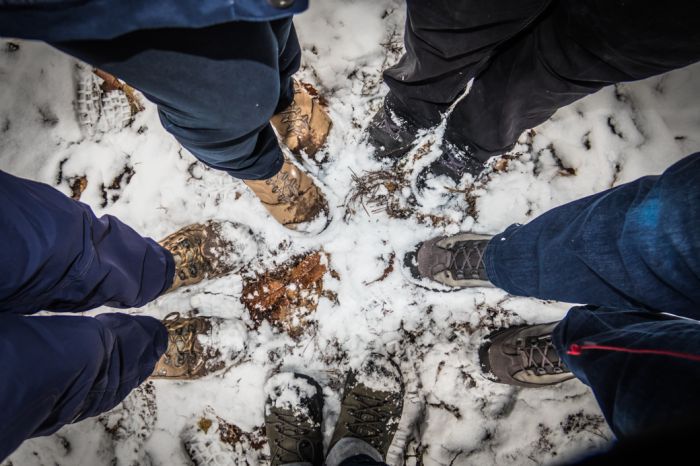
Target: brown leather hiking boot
(290,196)
(304,125)
(200,251)
(186,357)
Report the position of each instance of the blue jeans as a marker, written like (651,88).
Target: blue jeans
(633,252)
(58,256)
(216,88)
(630,253)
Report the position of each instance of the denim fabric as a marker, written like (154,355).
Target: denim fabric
(216,88)
(62,20)
(57,256)
(61,369)
(636,392)
(636,246)
(633,254)
(529,58)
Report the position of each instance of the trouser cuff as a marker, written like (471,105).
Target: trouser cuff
(348,447)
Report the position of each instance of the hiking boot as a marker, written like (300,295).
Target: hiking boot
(370,409)
(305,124)
(293,418)
(455,261)
(524,356)
(200,251)
(454,163)
(291,197)
(186,358)
(391,135)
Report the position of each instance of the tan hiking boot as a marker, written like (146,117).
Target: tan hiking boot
(186,357)
(200,251)
(304,125)
(290,196)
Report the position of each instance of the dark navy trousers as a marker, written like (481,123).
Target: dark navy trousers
(216,87)
(58,256)
(632,254)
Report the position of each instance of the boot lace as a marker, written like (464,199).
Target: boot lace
(369,419)
(467,259)
(285,186)
(181,337)
(287,426)
(540,356)
(294,120)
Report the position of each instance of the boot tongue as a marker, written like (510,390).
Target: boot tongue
(433,260)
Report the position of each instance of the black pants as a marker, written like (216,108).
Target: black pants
(529,57)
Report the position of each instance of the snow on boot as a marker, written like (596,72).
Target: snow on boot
(293,199)
(304,125)
(191,352)
(293,418)
(209,250)
(371,405)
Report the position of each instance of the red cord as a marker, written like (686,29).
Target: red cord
(576,350)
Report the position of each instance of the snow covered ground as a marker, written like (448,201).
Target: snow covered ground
(454,415)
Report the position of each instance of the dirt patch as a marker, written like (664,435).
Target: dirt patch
(233,435)
(77,186)
(288,296)
(111,83)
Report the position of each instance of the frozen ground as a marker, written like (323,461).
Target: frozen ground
(361,297)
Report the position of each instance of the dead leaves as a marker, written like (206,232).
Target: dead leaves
(288,296)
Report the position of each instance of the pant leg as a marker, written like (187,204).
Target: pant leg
(362,460)
(58,256)
(636,246)
(447,43)
(575,49)
(216,87)
(636,392)
(61,369)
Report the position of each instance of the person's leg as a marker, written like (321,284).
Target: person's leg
(636,246)
(63,258)
(216,87)
(447,43)
(575,49)
(61,369)
(643,368)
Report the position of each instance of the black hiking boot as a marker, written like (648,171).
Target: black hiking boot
(371,405)
(391,134)
(524,356)
(454,163)
(293,418)
(455,261)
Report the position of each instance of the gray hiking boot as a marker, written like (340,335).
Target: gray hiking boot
(293,418)
(455,261)
(371,406)
(524,356)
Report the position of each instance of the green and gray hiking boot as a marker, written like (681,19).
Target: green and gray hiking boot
(524,356)
(370,409)
(455,261)
(293,418)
